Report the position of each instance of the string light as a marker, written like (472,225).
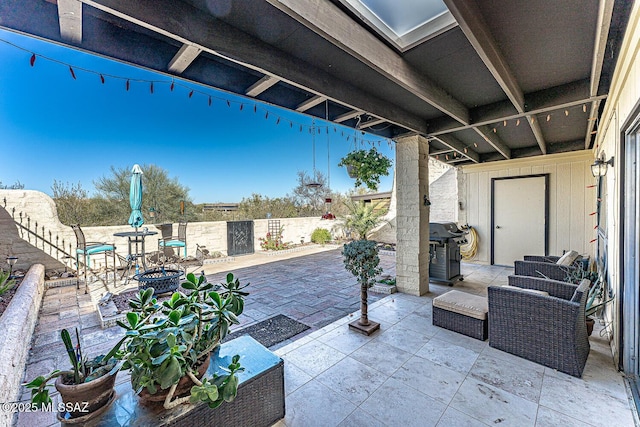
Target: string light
(548,117)
(518,122)
(584,108)
(73,70)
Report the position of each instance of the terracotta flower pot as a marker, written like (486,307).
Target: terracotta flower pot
(86,399)
(183,388)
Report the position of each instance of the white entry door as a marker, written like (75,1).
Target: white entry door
(519,218)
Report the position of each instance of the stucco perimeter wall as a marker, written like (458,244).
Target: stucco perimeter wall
(570,201)
(443,195)
(41,209)
(17,323)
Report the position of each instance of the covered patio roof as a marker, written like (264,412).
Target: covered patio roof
(491,80)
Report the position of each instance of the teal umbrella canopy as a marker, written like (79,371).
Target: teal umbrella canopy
(135,197)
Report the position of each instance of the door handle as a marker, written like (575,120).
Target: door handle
(497,226)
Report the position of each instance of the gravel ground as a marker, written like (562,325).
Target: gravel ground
(5,299)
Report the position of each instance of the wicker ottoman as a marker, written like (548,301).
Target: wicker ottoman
(463,313)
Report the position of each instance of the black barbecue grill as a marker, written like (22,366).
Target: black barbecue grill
(445,239)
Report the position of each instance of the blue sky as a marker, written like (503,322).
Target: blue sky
(53,126)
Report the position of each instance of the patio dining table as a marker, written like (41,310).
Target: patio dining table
(136,249)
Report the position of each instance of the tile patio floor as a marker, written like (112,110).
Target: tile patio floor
(410,373)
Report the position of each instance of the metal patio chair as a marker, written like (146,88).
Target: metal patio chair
(179,241)
(86,249)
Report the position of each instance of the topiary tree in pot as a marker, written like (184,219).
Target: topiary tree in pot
(361,259)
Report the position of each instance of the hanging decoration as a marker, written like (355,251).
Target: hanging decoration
(313,183)
(192,93)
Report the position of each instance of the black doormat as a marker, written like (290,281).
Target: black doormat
(272,331)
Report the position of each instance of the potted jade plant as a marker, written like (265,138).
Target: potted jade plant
(361,259)
(168,344)
(366,166)
(86,390)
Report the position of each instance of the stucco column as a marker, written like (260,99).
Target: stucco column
(412,249)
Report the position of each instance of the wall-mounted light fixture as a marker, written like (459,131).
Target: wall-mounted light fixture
(426,200)
(599,167)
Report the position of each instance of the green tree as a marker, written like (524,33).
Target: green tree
(258,206)
(72,203)
(363,218)
(160,192)
(310,199)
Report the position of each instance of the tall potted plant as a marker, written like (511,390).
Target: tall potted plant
(361,259)
(86,390)
(168,344)
(366,166)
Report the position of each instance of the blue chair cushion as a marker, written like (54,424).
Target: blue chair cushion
(179,243)
(96,249)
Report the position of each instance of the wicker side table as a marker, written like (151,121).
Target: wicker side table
(260,400)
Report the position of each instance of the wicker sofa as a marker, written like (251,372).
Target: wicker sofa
(546,329)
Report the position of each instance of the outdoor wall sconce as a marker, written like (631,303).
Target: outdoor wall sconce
(426,200)
(599,167)
(11,260)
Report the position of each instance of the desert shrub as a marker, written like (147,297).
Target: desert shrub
(320,235)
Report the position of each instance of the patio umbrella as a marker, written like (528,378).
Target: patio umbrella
(135,197)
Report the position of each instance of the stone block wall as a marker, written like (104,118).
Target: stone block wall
(17,323)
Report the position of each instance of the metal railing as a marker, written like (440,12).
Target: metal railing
(53,246)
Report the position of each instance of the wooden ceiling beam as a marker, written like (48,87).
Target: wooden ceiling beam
(183,58)
(593,115)
(70,19)
(469,17)
(494,140)
(261,85)
(347,116)
(328,21)
(223,40)
(541,102)
(371,122)
(310,103)
(605,12)
(456,145)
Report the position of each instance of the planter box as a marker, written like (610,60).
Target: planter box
(381,288)
(260,400)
